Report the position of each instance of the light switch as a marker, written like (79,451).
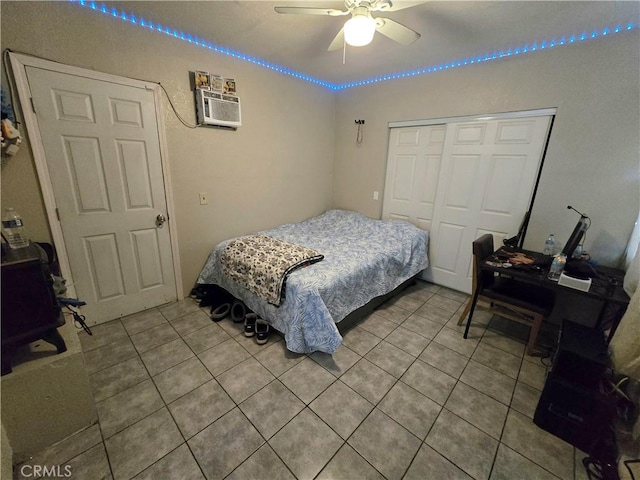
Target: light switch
(204,198)
(375,195)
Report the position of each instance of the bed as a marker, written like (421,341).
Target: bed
(363,260)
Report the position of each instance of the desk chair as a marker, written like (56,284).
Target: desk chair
(508,298)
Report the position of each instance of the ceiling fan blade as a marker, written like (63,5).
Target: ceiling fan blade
(396,31)
(338,41)
(311,11)
(387,6)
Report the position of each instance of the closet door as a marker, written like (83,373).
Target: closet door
(413,168)
(485,185)
(461,180)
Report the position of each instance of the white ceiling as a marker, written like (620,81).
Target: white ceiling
(451,31)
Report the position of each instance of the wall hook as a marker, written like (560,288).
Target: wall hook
(359,134)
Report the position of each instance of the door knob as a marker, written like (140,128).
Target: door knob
(160,219)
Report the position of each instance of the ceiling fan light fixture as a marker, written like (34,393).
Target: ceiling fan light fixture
(359,30)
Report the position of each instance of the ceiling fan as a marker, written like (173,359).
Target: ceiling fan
(360,28)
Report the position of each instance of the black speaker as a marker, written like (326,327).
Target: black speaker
(572,405)
(579,416)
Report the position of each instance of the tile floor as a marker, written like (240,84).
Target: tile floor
(404,397)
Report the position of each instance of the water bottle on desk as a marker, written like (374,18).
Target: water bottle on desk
(577,253)
(549,244)
(557,266)
(14,229)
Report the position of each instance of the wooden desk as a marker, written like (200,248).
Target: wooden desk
(606,285)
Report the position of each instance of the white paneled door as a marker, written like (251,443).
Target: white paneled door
(102,150)
(483,184)
(413,167)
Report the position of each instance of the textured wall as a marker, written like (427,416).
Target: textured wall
(277,168)
(296,154)
(593,157)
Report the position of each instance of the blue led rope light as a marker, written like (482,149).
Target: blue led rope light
(527,48)
(114,12)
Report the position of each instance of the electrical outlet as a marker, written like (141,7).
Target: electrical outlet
(375,195)
(204,198)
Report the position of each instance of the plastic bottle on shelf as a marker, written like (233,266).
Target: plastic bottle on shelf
(14,230)
(557,266)
(549,244)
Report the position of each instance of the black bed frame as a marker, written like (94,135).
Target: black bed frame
(361,313)
(348,322)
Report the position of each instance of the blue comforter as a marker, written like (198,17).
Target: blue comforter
(363,259)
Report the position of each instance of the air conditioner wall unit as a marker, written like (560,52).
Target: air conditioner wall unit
(218,109)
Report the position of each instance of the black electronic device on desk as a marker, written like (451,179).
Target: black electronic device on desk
(578,233)
(576,266)
(580,268)
(30,310)
(517,240)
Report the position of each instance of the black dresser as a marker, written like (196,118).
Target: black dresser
(30,310)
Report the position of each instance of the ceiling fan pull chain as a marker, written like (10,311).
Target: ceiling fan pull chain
(344,52)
